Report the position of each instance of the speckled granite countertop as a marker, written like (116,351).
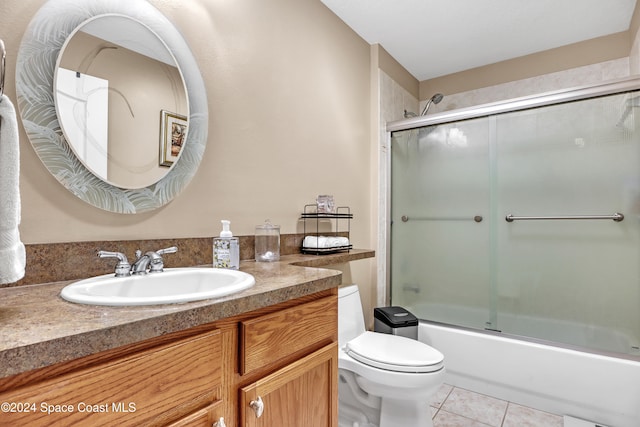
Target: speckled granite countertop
(38,328)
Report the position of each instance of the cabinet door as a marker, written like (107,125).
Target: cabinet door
(148,388)
(206,417)
(304,393)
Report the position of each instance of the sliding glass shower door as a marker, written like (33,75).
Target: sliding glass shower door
(440,227)
(566,268)
(569,280)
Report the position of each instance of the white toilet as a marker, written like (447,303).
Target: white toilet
(385,380)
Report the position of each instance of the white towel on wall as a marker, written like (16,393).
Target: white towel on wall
(12,252)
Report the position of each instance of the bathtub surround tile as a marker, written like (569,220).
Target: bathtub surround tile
(579,76)
(522,416)
(478,407)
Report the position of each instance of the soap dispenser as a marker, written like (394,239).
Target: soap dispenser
(226,249)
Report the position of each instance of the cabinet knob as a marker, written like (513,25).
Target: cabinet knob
(219,423)
(257,406)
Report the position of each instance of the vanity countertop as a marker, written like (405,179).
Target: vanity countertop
(38,328)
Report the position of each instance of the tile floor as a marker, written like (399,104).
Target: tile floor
(457,407)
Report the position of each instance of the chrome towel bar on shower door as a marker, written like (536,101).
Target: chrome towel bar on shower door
(617,217)
(477,218)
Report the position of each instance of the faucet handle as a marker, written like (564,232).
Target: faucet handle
(156,263)
(123,268)
(170,250)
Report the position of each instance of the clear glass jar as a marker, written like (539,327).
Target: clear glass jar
(267,242)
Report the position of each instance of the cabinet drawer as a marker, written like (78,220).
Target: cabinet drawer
(269,338)
(147,388)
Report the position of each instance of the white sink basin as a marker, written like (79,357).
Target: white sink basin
(174,285)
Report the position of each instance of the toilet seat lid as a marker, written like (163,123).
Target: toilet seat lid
(394,353)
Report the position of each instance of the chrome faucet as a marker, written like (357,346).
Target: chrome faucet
(151,261)
(142,262)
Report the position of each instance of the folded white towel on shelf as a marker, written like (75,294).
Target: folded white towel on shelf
(324,242)
(12,252)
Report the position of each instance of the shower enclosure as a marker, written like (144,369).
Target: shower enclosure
(523,218)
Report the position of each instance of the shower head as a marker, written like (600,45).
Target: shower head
(435,99)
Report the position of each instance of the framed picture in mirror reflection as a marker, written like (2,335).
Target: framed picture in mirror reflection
(173,133)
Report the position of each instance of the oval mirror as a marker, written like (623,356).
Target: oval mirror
(121,101)
(152,130)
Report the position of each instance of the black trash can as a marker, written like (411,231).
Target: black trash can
(395,321)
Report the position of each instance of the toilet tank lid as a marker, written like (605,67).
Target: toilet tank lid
(394,352)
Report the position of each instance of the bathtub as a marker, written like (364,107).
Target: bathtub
(562,381)
(575,334)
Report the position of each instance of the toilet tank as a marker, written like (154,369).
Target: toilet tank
(350,315)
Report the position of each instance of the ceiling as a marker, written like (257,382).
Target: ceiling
(431,38)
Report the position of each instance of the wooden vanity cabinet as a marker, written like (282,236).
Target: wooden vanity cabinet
(285,354)
(151,387)
(267,339)
(206,417)
(302,391)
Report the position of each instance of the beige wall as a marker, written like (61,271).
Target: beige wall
(295,110)
(576,55)
(289,98)
(396,71)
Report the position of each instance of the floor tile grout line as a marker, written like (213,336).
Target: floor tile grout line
(447,396)
(439,407)
(510,406)
(467,418)
(504,417)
